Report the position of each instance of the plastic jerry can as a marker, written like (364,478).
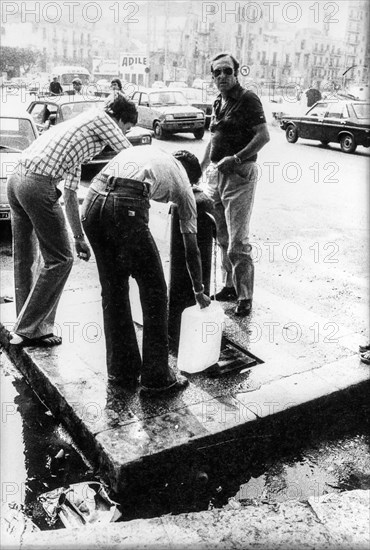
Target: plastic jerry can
(200,337)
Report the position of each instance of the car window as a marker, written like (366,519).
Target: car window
(73,109)
(16,132)
(135,97)
(144,100)
(362,110)
(168,98)
(38,113)
(318,111)
(336,110)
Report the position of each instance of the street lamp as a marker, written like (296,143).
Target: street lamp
(344,77)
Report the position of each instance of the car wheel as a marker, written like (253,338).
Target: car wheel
(347,143)
(158,131)
(291,134)
(199,133)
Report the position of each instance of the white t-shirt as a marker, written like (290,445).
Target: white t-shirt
(165,175)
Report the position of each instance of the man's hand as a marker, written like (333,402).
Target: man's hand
(202,299)
(226,165)
(83,250)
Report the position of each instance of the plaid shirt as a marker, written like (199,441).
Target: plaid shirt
(59,152)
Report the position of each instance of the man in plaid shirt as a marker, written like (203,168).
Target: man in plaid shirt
(38,221)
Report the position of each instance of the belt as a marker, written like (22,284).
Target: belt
(24,170)
(134,188)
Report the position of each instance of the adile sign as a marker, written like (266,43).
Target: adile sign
(133,63)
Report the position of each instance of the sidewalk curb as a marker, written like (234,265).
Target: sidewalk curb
(119,449)
(329,522)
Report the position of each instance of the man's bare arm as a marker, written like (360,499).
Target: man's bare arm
(194,265)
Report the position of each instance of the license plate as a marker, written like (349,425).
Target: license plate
(186,125)
(4,216)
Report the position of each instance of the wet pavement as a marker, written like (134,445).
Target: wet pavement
(309,362)
(318,451)
(38,454)
(126,434)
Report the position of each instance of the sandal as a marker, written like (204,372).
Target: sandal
(362,349)
(179,384)
(46,341)
(365,357)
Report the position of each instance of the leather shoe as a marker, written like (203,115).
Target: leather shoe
(243,308)
(179,384)
(128,382)
(227,294)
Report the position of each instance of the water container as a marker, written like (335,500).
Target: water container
(200,337)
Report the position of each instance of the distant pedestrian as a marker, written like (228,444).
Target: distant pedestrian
(38,222)
(238,132)
(116,87)
(116,84)
(313,95)
(77,86)
(55,87)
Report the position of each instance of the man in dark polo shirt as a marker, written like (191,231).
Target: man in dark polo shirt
(238,131)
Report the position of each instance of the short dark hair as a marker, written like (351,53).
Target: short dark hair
(117,81)
(224,54)
(122,109)
(190,163)
(77,81)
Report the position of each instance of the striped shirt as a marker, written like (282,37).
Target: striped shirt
(59,152)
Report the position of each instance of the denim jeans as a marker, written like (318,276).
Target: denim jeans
(117,228)
(38,225)
(233,196)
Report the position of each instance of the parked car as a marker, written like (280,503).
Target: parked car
(38,86)
(49,111)
(339,121)
(201,83)
(159,84)
(15,84)
(177,84)
(17,132)
(201,99)
(168,112)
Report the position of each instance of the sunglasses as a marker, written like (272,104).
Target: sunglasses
(228,71)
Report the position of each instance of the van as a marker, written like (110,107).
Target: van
(66,73)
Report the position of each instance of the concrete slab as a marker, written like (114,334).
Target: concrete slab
(333,521)
(120,429)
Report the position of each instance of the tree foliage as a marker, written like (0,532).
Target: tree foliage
(13,59)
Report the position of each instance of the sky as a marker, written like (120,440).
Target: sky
(295,14)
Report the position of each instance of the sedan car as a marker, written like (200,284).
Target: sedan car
(17,132)
(332,121)
(168,112)
(201,99)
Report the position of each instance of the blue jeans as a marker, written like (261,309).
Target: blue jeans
(117,227)
(38,225)
(233,197)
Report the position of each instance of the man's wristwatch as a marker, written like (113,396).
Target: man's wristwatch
(199,291)
(237,159)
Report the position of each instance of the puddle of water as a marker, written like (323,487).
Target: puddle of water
(317,453)
(30,440)
(334,467)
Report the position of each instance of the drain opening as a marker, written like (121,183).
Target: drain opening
(233,358)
